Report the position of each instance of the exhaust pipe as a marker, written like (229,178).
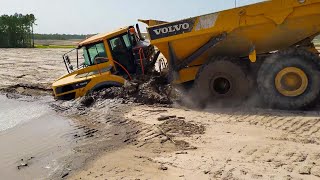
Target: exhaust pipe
(139,33)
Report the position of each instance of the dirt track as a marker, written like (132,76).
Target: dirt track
(118,140)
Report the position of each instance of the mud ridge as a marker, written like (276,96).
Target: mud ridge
(144,89)
(27,90)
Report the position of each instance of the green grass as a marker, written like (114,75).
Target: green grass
(53,46)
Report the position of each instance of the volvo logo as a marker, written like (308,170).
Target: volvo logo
(171,29)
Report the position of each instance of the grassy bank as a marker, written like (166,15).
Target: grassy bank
(54,46)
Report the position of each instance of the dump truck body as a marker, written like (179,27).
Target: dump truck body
(227,56)
(262,27)
(232,54)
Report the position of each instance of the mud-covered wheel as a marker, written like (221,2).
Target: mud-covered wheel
(222,82)
(290,79)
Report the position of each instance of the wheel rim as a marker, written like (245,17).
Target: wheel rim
(291,81)
(220,85)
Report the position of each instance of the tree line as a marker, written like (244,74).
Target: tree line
(16,30)
(59,36)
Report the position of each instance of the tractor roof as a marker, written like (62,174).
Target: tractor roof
(102,36)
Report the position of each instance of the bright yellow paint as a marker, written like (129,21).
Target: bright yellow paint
(151,22)
(103,36)
(268,26)
(253,56)
(187,74)
(93,73)
(291,82)
(89,73)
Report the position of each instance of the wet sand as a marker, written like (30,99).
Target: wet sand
(33,140)
(31,66)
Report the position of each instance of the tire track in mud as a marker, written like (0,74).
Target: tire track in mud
(102,128)
(290,159)
(105,122)
(95,122)
(292,152)
(296,127)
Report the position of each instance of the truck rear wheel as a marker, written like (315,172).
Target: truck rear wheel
(222,81)
(290,79)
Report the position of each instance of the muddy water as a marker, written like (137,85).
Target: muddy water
(13,112)
(33,140)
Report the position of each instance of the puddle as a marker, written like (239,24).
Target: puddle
(33,137)
(14,112)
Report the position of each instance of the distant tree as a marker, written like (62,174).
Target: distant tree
(16,30)
(60,36)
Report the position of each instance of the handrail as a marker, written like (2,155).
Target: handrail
(141,60)
(123,69)
(102,58)
(95,62)
(99,58)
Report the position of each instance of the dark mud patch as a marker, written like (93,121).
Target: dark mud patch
(145,90)
(176,127)
(18,90)
(172,129)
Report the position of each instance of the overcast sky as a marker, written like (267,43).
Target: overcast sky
(94,16)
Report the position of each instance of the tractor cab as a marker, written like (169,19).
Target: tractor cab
(103,61)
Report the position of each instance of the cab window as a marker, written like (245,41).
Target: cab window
(91,52)
(127,41)
(86,57)
(97,50)
(120,49)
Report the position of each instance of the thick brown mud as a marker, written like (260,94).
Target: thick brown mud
(145,90)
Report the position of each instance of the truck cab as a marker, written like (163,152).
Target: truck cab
(103,61)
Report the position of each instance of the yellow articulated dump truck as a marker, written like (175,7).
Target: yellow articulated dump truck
(229,55)
(103,61)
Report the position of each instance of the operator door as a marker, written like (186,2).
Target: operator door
(121,50)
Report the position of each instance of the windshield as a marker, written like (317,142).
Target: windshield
(90,53)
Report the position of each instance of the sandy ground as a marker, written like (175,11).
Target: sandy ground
(120,140)
(236,144)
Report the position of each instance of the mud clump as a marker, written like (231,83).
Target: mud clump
(145,90)
(181,127)
(26,90)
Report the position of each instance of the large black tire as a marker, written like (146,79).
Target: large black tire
(222,82)
(297,58)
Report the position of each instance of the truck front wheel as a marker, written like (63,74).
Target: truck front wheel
(221,81)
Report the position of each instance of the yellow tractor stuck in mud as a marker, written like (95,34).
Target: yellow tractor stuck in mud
(103,61)
(226,56)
